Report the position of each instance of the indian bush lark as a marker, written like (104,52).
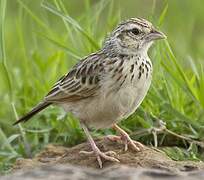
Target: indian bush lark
(107,86)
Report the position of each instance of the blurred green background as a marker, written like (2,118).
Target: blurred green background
(40,41)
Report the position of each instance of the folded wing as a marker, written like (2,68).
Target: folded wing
(82,81)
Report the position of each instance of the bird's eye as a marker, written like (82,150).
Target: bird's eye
(135,31)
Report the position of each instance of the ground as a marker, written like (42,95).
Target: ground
(149,160)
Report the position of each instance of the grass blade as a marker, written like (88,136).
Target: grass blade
(4,141)
(163,15)
(180,72)
(34,17)
(3,63)
(71,21)
(60,45)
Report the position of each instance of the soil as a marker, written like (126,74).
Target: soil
(149,158)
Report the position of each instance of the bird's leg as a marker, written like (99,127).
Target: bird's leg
(125,138)
(96,151)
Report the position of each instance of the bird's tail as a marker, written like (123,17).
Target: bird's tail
(35,110)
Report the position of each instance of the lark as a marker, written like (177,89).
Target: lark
(109,85)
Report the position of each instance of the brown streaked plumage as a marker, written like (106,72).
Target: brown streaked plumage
(107,86)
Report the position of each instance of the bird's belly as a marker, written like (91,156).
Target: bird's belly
(96,112)
(104,111)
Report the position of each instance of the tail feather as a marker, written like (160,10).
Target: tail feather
(34,111)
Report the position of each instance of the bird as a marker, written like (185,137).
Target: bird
(107,86)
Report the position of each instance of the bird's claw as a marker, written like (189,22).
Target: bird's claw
(127,141)
(105,155)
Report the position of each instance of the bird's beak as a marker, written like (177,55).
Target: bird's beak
(155,35)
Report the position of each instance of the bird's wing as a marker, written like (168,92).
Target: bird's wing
(82,81)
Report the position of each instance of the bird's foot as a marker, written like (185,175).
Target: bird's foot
(105,155)
(127,141)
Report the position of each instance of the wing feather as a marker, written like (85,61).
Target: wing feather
(82,81)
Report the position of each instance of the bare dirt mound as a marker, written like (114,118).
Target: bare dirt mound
(148,158)
(57,162)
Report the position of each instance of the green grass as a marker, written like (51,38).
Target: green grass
(41,40)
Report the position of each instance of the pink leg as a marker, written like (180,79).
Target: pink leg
(96,150)
(125,138)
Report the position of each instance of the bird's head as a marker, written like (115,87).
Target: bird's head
(132,36)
